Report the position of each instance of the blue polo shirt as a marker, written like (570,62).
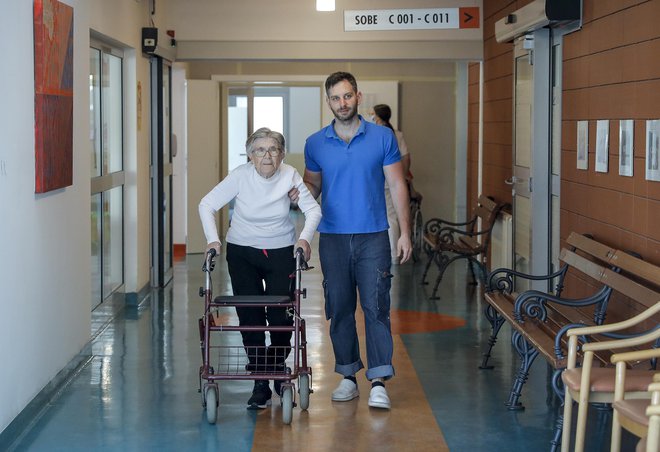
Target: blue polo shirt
(353,199)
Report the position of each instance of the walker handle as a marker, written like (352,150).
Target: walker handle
(300,259)
(209,262)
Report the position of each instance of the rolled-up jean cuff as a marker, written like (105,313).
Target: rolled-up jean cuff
(384,372)
(349,369)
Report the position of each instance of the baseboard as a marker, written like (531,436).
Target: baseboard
(135,298)
(31,414)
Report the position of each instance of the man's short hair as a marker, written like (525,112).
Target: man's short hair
(337,77)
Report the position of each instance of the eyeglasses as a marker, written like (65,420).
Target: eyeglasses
(260,152)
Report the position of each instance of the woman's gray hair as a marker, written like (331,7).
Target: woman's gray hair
(265,132)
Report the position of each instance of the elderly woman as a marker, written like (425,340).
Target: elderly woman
(260,245)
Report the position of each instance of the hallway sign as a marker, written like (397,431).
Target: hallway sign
(411,19)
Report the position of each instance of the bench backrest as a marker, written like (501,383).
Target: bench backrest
(637,281)
(635,286)
(622,283)
(487,209)
(637,267)
(625,261)
(588,245)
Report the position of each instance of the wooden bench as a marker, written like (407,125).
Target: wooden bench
(607,280)
(446,242)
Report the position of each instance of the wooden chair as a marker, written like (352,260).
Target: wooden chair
(589,384)
(631,414)
(653,413)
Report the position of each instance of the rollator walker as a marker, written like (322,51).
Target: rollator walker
(225,357)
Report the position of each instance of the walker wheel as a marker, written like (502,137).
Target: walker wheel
(287,404)
(303,391)
(211,404)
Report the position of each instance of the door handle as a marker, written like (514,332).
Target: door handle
(511,181)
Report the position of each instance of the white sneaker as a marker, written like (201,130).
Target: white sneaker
(378,398)
(347,390)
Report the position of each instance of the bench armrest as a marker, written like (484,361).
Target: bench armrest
(447,234)
(501,279)
(434,225)
(531,303)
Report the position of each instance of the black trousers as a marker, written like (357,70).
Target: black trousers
(263,272)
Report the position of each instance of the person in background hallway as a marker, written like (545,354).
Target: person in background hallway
(260,246)
(381,115)
(348,163)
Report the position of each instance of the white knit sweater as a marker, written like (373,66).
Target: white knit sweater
(261,209)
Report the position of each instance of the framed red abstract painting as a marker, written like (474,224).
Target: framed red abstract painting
(53,100)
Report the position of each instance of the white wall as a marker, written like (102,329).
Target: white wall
(304,112)
(298,20)
(45,239)
(227,29)
(203,118)
(376,92)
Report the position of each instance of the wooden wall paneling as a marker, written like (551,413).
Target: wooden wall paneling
(604,33)
(575,74)
(575,104)
(640,62)
(647,99)
(597,9)
(640,23)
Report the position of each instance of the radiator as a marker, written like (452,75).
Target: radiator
(501,245)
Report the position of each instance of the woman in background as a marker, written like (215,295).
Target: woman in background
(381,115)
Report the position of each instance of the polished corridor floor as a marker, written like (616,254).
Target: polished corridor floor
(138,388)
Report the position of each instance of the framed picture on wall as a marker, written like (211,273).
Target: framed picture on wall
(53,95)
(602,144)
(653,150)
(583,145)
(626,132)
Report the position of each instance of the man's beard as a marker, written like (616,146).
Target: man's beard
(352,112)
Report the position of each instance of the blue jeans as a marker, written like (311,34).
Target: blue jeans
(362,262)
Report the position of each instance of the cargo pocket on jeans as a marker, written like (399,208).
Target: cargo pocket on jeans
(384,285)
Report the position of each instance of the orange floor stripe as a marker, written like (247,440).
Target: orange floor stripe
(408,322)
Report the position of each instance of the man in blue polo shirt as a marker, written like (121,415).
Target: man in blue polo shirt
(348,162)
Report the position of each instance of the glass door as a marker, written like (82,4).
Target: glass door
(531,157)
(238,118)
(161,172)
(522,162)
(106,145)
(293,109)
